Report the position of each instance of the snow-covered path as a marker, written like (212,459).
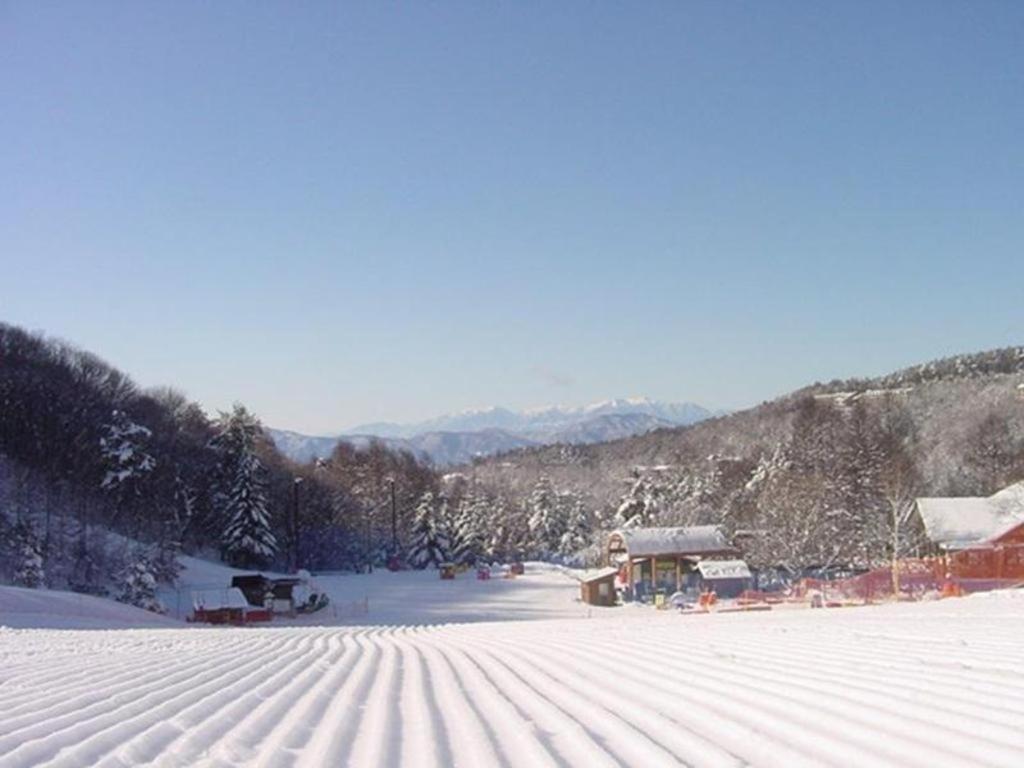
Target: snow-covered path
(939,684)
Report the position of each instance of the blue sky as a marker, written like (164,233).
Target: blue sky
(346,212)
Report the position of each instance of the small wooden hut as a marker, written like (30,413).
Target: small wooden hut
(599,588)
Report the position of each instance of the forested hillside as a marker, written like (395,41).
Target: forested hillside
(824,475)
(102,483)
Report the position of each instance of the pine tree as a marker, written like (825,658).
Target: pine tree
(124,454)
(467,539)
(247,538)
(28,550)
(138,584)
(641,505)
(545,520)
(578,528)
(430,544)
(163,559)
(126,461)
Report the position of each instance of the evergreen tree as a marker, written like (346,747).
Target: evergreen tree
(467,537)
(29,571)
(430,545)
(247,539)
(125,459)
(641,505)
(138,584)
(578,527)
(545,520)
(164,563)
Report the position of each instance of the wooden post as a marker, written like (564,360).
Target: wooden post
(679,574)
(654,573)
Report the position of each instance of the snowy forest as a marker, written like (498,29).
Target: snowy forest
(103,484)
(824,476)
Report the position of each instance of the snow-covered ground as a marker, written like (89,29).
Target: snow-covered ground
(411,597)
(52,609)
(927,684)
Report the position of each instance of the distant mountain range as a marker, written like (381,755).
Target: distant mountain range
(461,437)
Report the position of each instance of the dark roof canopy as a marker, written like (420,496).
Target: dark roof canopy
(685,540)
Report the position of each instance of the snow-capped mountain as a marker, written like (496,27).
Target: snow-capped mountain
(537,422)
(460,437)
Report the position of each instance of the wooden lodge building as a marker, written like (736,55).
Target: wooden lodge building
(664,558)
(979,537)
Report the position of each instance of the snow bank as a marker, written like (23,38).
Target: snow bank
(53,609)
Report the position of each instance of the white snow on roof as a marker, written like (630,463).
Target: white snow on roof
(957,522)
(723,569)
(602,573)
(214,599)
(694,540)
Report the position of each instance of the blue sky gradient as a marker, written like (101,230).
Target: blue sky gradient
(340,213)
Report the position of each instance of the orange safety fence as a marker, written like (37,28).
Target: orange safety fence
(963,571)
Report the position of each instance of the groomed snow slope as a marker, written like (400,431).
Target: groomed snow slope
(933,684)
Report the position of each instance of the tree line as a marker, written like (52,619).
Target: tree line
(104,485)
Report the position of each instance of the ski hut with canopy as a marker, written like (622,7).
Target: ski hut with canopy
(650,559)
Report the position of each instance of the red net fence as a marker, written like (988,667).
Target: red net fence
(971,570)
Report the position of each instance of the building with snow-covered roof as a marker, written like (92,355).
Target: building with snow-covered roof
(969,521)
(982,537)
(598,587)
(663,558)
(728,578)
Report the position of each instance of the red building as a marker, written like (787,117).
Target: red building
(980,538)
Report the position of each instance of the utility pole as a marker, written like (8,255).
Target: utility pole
(369,554)
(296,482)
(394,521)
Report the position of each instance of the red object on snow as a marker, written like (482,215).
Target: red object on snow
(483,574)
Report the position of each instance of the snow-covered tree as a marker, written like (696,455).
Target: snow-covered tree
(164,563)
(578,526)
(642,504)
(429,541)
(247,538)
(545,518)
(137,584)
(28,551)
(124,454)
(466,529)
